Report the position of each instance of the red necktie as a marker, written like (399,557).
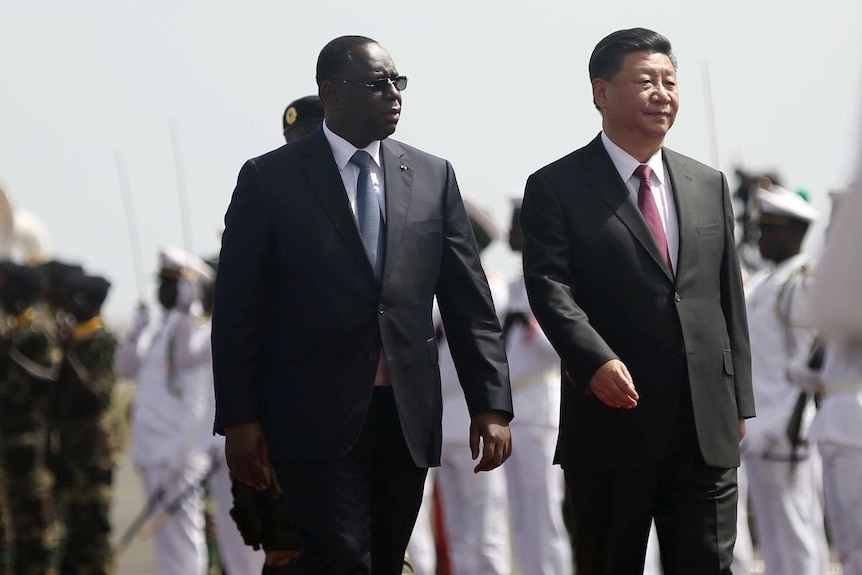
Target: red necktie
(647,206)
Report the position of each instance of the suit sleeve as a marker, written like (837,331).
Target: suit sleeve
(733,307)
(242,290)
(551,286)
(472,328)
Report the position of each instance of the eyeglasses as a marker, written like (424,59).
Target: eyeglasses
(382,84)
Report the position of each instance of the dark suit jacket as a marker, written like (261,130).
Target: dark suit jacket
(299,317)
(601,290)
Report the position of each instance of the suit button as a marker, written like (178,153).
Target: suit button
(677,297)
(381,308)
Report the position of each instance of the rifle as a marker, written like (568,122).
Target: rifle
(793,432)
(139,521)
(158,520)
(794,424)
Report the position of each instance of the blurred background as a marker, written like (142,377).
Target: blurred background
(173,96)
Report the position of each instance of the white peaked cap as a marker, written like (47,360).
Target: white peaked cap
(185,265)
(481,217)
(778,201)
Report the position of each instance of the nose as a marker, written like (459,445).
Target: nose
(392,94)
(392,91)
(660,95)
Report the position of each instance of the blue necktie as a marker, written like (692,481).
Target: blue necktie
(368,212)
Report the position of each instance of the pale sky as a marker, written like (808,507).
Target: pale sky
(498,88)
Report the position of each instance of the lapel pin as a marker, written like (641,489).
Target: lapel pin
(403,168)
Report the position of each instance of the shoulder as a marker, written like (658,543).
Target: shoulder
(290,153)
(412,153)
(800,270)
(36,329)
(680,161)
(104,339)
(582,157)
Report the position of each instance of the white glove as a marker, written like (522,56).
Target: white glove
(140,321)
(187,293)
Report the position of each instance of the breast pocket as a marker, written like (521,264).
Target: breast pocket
(428,226)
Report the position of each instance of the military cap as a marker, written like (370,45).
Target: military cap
(55,271)
(25,278)
(301,111)
(178,264)
(779,206)
(93,288)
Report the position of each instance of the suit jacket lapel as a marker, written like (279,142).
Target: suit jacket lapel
(322,173)
(602,176)
(683,196)
(398,181)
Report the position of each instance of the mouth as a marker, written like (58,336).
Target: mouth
(660,118)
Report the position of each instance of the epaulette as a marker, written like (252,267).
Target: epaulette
(800,274)
(87,328)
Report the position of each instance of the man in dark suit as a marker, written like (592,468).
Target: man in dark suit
(631,270)
(324,353)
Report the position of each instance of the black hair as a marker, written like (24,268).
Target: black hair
(607,57)
(336,55)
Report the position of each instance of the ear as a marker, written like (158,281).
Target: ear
(600,93)
(329,93)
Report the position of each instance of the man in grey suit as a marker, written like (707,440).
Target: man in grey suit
(631,270)
(324,354)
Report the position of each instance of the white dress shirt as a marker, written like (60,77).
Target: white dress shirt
(343,150)
(661,190)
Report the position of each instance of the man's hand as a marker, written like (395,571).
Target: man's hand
(247,454)
(741,429)
(493,428)
(612,384)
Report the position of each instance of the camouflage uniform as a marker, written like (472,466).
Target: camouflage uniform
(5,536)
(85,463)
(5,543)
(26,380)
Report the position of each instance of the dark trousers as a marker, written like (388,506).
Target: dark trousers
(354,515)
(693,504)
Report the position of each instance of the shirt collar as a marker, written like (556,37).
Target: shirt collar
(626,164)
(343,150)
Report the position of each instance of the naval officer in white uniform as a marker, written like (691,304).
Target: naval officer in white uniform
(535,485)
(169,410)
(784,472)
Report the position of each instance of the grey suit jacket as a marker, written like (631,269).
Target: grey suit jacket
(300,320)
(601,290)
